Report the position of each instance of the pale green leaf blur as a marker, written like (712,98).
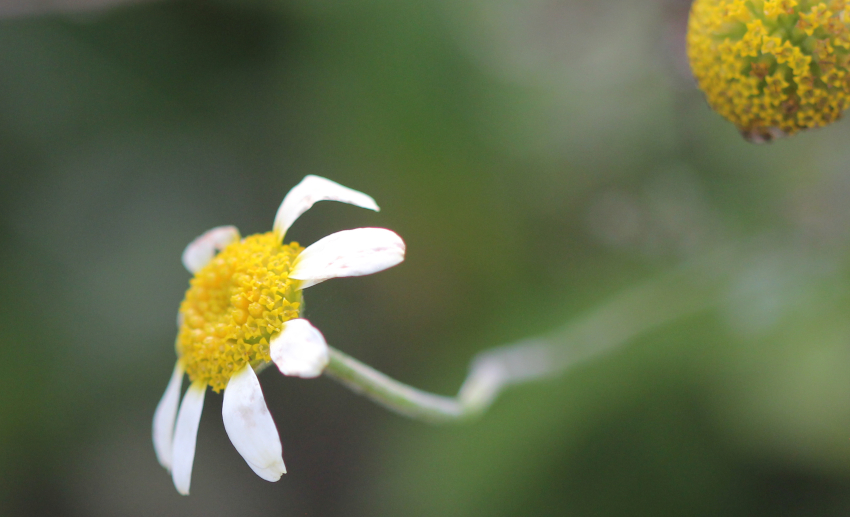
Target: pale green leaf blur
(537,156)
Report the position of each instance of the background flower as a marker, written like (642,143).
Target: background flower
(772,67)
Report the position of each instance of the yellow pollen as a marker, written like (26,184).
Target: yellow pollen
(234,306)
(772,67)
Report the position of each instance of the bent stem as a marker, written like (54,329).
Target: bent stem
(685,291)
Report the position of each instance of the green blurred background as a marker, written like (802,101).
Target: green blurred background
(537,156)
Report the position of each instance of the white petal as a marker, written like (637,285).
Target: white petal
(185,436)
(250,426)
(348,253)
(164,416)
(201,250)
(311,190)
(300,349)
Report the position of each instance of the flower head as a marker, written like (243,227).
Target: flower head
(242,311)
(772,67)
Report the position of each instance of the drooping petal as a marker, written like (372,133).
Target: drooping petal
(201,250)
(186,435)
(164,417)
(250,426)
(300,349)
(311,190)
(358,252)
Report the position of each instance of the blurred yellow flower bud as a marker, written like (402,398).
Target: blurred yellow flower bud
(772,67)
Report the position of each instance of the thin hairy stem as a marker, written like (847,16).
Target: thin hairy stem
(685,291)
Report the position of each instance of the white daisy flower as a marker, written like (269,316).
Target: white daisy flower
(241,312)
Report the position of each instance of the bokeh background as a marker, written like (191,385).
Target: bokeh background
(538,156)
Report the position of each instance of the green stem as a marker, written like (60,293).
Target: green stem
(685,291)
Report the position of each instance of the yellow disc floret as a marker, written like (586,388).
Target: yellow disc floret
(772,67)
(234,306)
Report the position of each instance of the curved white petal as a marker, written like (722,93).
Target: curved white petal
(250,426)
(311,190)
(164,417)
(358,252)
(186,435)
(201,250)
(300,349)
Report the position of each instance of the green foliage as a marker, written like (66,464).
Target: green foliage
(537,157)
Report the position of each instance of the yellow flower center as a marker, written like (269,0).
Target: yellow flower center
(772,67)
(234,306)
